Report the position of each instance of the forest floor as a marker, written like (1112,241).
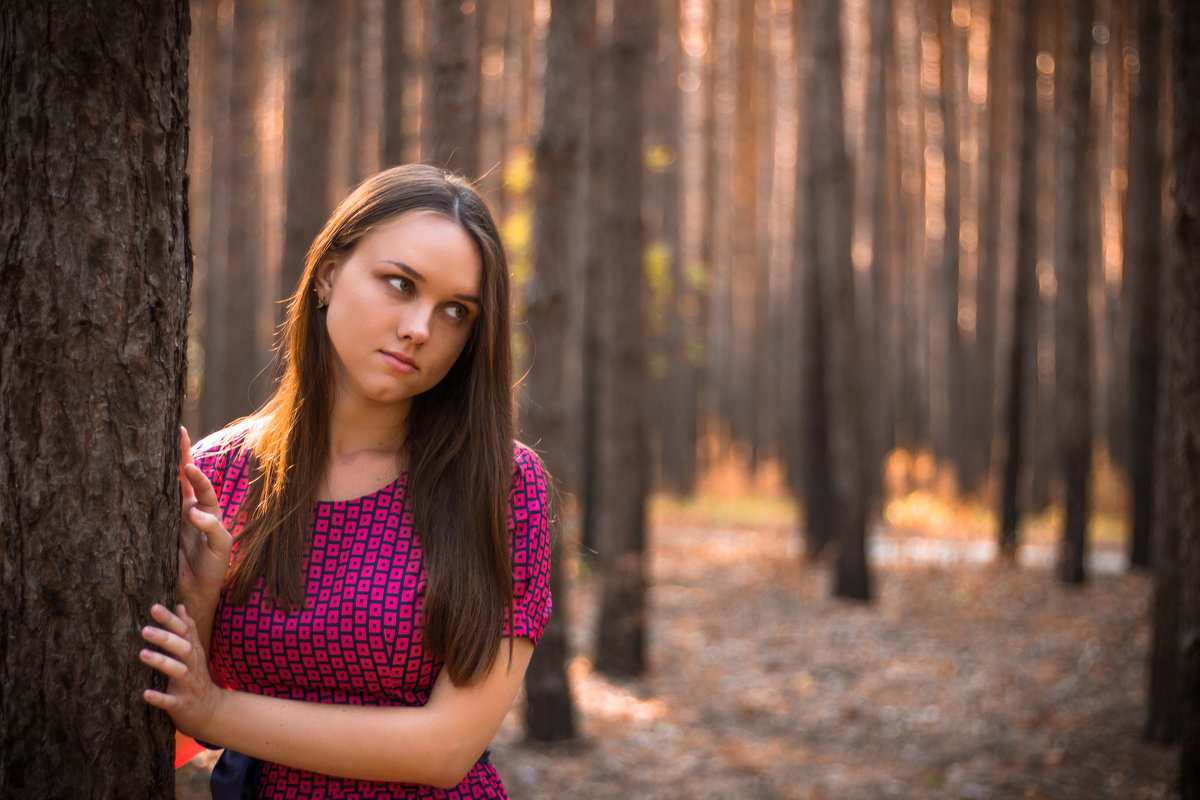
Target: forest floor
(975,681)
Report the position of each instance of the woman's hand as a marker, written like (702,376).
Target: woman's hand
(205,545)
(191,697)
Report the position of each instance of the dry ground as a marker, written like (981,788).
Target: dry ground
(976,682)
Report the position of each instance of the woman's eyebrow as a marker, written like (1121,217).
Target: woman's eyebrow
(416,275)
(407,269)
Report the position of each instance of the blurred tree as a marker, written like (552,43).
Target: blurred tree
(1143,257)
(879,204)
(95,275)
(1022,373)
(622,470)
(554,301)
(815,478)
(309,129)
(676,393)
(1073,340)
(233,355)
(396,65)
(993,214)
(450,97)
(950,434)
(1175,660)
(746,257)
(830,218)
(217,217)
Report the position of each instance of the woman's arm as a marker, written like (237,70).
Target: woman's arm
(435,744)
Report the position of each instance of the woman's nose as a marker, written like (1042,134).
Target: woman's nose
(414,325)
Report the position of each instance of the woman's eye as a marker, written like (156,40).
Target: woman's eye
(457,312)
(402,284)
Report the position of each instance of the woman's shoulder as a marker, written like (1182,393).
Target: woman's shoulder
(527,464)
(224,446)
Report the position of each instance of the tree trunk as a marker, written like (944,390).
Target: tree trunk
(708,392)
(620,430)
(1182,384)
(596,274)
(234,287)
(214,336)
(830,205)
(879,204)
(450,117)
(992,216)
(553,311)
(396,64)
(815,481)
(94,277)
(1021,368)
(1144,253)
(1073,341)
(679,420)
(953,368)
(746,256)
(311,117)
(202,46)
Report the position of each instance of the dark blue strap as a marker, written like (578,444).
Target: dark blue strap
(234,777)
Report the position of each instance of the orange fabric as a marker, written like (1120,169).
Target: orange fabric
(186,748)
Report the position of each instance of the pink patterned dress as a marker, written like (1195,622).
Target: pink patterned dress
(359,639)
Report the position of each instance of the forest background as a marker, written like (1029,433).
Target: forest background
(899,260)
(854,332)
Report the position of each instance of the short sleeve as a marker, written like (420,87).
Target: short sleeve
(224,460)
(529,543)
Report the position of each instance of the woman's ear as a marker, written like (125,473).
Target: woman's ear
(325,271)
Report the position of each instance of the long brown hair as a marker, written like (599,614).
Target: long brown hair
(458,444)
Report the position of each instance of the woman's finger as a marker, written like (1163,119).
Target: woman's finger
(219,538)
(173,623)
(166,702)
(176,646)
(185,460)
(185,442)
(164,664)
(201,487)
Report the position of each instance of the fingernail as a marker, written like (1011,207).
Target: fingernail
(149,632)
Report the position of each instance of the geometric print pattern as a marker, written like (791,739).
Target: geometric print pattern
(358,640)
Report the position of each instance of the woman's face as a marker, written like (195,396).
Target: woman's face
(401,307)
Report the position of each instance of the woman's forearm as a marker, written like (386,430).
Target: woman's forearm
(435,744)
(362,742)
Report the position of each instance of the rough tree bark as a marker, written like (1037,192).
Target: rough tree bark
(620,431)
(94,276)
(554,305)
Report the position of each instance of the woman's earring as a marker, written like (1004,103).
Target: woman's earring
(322,301)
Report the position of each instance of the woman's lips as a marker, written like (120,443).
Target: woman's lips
(400,361)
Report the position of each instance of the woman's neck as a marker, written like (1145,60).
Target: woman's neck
(364,451)
(357,428)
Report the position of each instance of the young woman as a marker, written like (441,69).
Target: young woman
(366,626)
